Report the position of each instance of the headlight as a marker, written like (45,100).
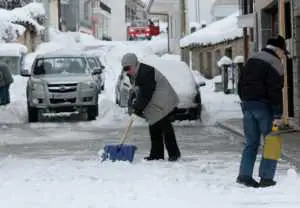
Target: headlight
(38,87)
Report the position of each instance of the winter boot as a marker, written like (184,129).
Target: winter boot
(247,181)
(266,182)
(150,158)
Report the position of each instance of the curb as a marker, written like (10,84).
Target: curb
(225,125)
(231,128)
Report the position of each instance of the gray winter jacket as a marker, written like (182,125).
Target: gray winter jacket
(5,75)
(156,98)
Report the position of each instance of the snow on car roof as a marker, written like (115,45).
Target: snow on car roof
(177,72)
(12,49)
(62,53)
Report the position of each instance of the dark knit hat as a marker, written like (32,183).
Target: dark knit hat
(278,42)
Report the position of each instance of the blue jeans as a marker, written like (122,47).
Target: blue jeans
(257,121)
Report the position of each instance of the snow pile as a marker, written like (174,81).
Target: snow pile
(225,60)
(12,49)
(218,106)
(10,20)
(171,57)
(28,13)
(219,31)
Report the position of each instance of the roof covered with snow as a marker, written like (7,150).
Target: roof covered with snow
(216,32)
(28,13)
(13,22)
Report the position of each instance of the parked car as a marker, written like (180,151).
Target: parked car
(95,64)
(123,89)
(61,83)
(12,54)
(180,77)
(143,29)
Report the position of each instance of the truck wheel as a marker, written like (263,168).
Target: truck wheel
(92,113)
(32,114)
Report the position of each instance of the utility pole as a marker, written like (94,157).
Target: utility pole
(48,15)
(183,17)
(281,12)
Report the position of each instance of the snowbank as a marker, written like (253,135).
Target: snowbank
(171,57)
(224,61)
(219,31)
(10,28)
(12,49)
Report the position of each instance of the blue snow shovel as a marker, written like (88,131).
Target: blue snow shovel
(121,151)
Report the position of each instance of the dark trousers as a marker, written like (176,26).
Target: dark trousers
(162,133)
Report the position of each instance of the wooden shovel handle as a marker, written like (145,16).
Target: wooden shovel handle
(132,118)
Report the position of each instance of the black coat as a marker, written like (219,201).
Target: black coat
(262,80)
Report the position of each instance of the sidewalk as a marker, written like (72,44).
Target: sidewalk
(291,142)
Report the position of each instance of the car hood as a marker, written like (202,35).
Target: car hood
(64,79)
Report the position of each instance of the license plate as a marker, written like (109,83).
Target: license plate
(62,95)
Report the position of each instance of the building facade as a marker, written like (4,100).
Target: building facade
(135,10)
(265,21)
(172,11)
(223,8)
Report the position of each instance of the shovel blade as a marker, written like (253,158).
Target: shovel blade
(123,152)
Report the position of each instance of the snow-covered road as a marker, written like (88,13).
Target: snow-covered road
(58,166)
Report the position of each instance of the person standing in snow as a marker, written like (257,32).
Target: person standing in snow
(5,81)
(155,101)
(260,90)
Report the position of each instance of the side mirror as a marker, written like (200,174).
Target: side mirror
(102,67)
(97,71)
(25,73)
(201,84)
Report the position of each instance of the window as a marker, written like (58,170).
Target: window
(201,64)
(209,64)
(60,65)
(228,52)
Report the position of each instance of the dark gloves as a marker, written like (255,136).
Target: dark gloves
(138,113)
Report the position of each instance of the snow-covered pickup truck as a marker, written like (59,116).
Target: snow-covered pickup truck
(61,83)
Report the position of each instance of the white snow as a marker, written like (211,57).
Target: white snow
(218,31)
(225,60)
(239,59)
(12,49)
(180,77)
(28,13)
(90,184)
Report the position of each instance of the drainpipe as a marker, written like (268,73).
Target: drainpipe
(161,14)
(59,15)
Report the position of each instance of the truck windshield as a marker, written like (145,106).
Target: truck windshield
(61,65)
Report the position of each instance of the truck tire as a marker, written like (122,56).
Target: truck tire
(92,112)
(32,114)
